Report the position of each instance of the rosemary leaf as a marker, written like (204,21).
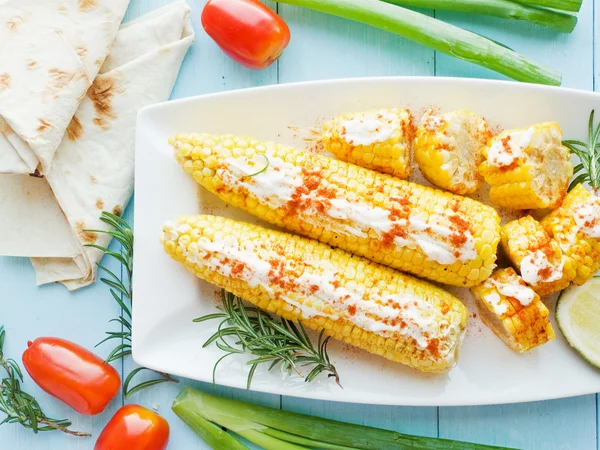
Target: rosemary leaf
(273,341)
(21,407)
(588,169)
(121,291)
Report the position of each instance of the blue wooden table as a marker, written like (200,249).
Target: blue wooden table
(321,47)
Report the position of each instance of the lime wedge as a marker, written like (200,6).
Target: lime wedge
(578,317)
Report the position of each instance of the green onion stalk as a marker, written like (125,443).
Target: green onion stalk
(506,9)
(565,5)
(437,35)
(274,429)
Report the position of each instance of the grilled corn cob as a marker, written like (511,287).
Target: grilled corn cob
(448,150)
(537,256)
(513,311)
(527,168)
(353,299)
(576,228)
(379,140)
(430,233)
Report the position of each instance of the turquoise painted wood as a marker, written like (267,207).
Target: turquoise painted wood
(321,47)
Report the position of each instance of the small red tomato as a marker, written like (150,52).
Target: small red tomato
(134,427)
(246,30)
(72,374)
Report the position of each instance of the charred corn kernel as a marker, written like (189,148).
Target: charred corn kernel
(417,229)
(527,168)
(537,256)
(379,140)
(407,320)
(448,149)
(513,311)
(576,228)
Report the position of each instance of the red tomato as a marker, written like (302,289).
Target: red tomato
(72,374)
(134,427)
(246,30)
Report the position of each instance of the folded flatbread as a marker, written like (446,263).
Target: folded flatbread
(51,52)
(92,169)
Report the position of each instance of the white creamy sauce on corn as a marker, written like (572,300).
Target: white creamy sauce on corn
(493,300)
(587,218)
(369,129)
(523,294)
(537,262)
(276,185)
(387,315)
(505,151)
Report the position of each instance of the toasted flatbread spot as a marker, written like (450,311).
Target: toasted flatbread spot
(75,129)
(93,180)
(44,125)
(117,210)
(5,129)
(85,236)
(99,62)
(100,93)
(62,9)
(84,5)
(60,78)
(4,81)
(100,204)
(81,51)
(31,64)
(14,22)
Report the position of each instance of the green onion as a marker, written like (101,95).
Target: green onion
(506,9)
(565,5)
(274,429)
(436,34)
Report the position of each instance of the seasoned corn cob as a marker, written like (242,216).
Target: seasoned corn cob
(448,150)
(430,233)
(379,140)
(513,311)
(537,256)
(576,228)
(353,299)
(527,168)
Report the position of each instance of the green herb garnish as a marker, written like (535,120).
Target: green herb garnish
(267,163)
(274,341)
(588,169)
(121,291)
(21,407)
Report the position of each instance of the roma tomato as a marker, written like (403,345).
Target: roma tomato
(72,374)
(134,427)
(246,30)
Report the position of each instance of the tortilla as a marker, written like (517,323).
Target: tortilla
(92,170)
(51,51)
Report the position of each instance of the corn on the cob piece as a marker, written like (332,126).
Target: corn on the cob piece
(513,311)
(575,225)
(527,168)
(353,299)
(537,256)
(448,149)
(430,233)
(379,140)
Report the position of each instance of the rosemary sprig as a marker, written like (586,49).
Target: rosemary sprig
(121,290)
(274,341)
(588,169)
(21,407)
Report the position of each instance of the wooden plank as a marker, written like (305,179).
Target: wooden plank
(324,46)
(560,424)
(556,424)
(328,47)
